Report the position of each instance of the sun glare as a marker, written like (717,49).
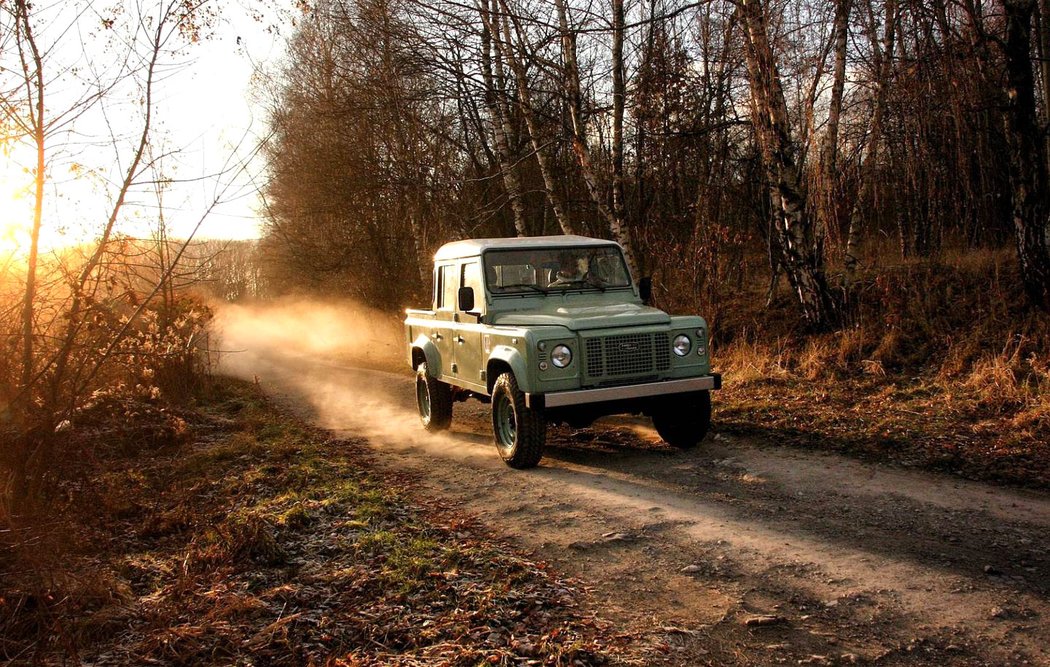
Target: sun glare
(16,209)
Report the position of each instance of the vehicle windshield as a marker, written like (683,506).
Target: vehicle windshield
(555,269)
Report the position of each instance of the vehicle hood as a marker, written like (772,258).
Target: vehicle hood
(579,318)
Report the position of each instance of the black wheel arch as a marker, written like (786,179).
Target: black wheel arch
(418,357)
(493,370)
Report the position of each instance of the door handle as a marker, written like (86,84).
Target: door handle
(460,339)
(436,336)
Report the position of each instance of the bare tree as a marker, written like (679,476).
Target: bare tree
(1042,44)
(499,119)
(883,65)
(802,260)
(829,147)
(1028,170)
(580,142)
(34,125)
(618,222)
(66,334)
(511,39)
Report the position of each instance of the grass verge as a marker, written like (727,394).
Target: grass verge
(260,540)
(942,366)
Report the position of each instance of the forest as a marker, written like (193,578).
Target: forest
(854,193)
(715,141)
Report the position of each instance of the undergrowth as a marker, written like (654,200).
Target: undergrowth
(941,365)
(260,540)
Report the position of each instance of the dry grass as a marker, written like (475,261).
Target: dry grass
(941,366)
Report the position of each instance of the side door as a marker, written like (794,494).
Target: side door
(445,288)
(469,357)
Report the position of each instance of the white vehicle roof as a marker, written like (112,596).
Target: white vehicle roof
(474,247)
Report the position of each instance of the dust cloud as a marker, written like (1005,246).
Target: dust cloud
(338,331)
(342,362)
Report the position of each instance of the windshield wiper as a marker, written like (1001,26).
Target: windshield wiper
(529,285)
(595,281)
(583,282)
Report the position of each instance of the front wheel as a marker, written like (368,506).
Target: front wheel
(520,431)
(434,400)
(683,421)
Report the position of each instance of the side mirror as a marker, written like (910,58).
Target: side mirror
(645,290)
(466,299)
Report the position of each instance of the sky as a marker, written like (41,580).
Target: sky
(206,115)
(209,108)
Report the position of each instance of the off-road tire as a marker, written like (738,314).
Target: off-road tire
(684,420)
(520,432)
(434,401)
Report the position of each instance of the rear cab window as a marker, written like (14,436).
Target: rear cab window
(470,276)
(448,285)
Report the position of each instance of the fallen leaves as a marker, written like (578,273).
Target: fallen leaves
(266,542)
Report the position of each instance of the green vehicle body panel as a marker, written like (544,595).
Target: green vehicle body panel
(466,349)
(503,356)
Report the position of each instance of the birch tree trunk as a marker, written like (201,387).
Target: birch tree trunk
(580,143)
(884,66)
(495,101)
(514,54)
(620,230)
(792,222)
(1043,46)
(829,147)
(1028,170)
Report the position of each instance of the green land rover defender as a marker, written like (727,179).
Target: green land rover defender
(554,329)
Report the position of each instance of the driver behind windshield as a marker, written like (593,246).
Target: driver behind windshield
(569,270)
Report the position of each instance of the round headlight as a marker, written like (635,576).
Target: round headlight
(561,356)
(682,345)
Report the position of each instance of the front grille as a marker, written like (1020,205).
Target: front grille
(595,365)
(627,355)
(663,352)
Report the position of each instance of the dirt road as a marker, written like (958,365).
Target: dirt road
(739,552)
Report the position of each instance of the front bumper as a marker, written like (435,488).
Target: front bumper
(561,399)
